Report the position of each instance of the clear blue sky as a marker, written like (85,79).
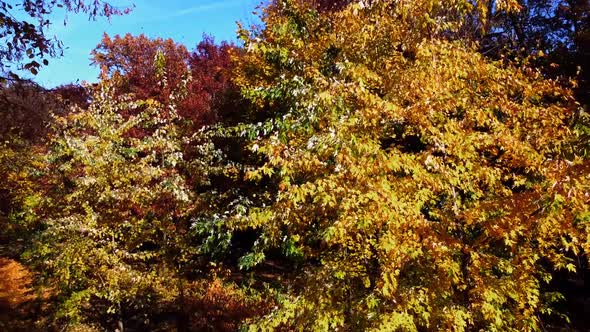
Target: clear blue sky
(185,21)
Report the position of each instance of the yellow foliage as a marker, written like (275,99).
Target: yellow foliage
(420,173)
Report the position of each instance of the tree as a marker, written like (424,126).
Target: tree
(26,108)
(119,200)
(143,214)
(419,185)
(212,97)
(26,43)
(26,114)
(553,35)
(72,94)
(129,60)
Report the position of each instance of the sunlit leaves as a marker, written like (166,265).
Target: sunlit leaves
(117,198)
(416,171)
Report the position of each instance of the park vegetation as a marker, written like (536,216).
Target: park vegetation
(370,165)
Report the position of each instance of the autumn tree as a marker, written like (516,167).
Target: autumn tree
(212,96)
(26,107)
(72,95)
(119,200)
(26,113)
(23,27)
(129,60)
(552,35)
(25,110)
(142,213)
(418,184)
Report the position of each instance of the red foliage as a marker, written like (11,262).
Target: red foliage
(221,307)
(129,60)
(210,67)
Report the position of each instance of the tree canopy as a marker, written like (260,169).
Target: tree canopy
(349,165)
(422,185)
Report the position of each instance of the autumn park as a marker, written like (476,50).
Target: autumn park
(346,165)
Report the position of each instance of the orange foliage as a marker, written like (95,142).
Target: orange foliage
(15,283)
(222,307)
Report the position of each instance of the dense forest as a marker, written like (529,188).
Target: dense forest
(348,165)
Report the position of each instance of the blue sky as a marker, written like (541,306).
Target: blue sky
(185,21)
